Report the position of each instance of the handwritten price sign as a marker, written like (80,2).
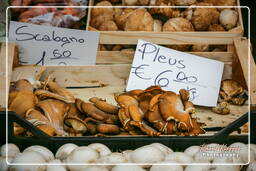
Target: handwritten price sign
(45,45)
(174,70)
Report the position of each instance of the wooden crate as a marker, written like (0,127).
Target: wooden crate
(110,74)
(203,37)
(12,62)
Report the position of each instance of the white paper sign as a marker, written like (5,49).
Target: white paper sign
(46,45)
(174,70)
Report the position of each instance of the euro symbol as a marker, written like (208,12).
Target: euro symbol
(139,73)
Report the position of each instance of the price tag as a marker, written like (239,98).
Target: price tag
(174,70)
(53,46)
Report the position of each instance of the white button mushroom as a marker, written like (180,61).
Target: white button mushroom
(251,167)
(3,164)
(127,155)
(81,155)
(227,168)
(179,157)
(65,150)
(228,18)
(95,168)
(197,168)
(12,150)
(166,150)
(28,157)
(47,154)
(112,158)
(127,168)
(147,154)
(156,167)
(253,150)
(100,148)
(242,151)
(192,150)
(57,167)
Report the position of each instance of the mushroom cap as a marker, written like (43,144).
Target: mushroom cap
(147,154)
(228,18)
(139,20)
(12,150)
(45,152)
(178,24)
(65,150)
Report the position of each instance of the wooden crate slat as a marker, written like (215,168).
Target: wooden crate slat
(246,59)
(167,38)
(87,76)
(124,57)
(12,61)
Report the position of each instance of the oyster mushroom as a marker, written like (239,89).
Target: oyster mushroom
(104,106)
(221,108)
(40,121)
(54,110)
(232,92)
(21,97)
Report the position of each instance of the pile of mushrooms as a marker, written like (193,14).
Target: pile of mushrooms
(70,157)
(231,92)
(55,111)
(167,112)
(164,19)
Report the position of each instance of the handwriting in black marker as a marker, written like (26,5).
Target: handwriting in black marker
(64,55)
(145,50)
(181,76)
(193,93)
(162,81)
(138,73)
(41,59)
(25,35)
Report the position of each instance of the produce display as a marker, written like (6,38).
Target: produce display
(107,160)
(164,19)
(56,111)
(61,17)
